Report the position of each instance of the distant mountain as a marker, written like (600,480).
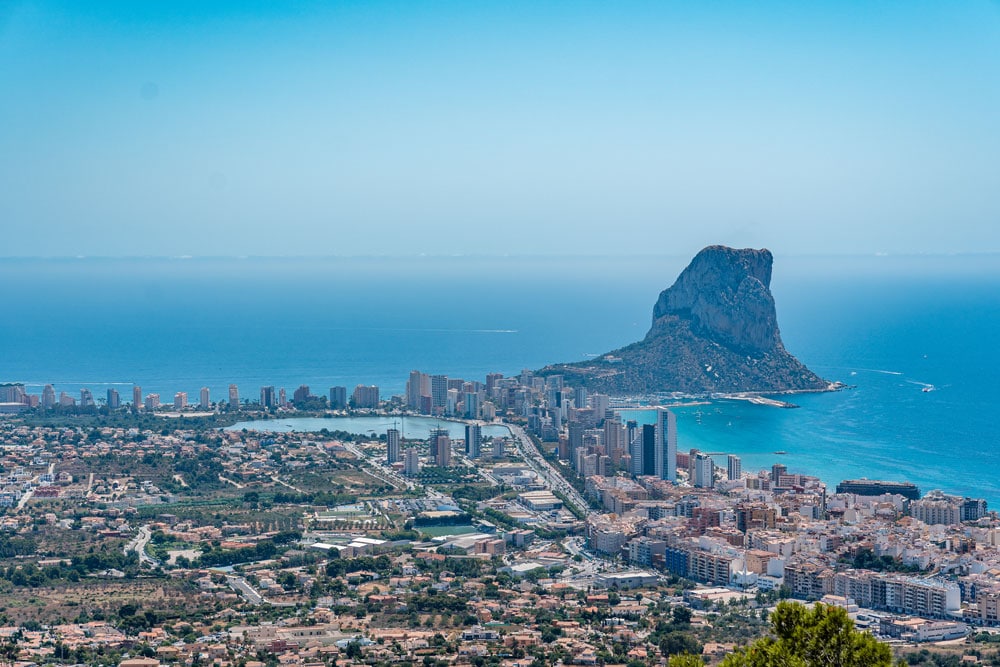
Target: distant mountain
(715,330)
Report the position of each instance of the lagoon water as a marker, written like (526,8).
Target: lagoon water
(416,428)
(888,326)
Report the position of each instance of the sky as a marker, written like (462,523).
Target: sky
(406,128)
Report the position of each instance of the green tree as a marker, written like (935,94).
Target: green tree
(821,636)
(680,616)
(686,660)
(675,643)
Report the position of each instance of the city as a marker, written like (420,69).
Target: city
(318,546)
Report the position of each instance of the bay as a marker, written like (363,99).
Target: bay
(888,326)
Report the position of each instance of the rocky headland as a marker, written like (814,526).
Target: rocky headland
(715,330)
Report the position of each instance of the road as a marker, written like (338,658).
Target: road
(35,481)
(240,585)
(378,469)
(138,545)
(274,478)
(526,448)
(231,481)
(25,497)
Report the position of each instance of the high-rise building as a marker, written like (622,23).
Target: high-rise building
(614,435)
(65,400)
(425,405)
(440,446)
(411,462)
(114,400)
(600,404)
(392,446)
(777,470)
(734,467)
(580,397)
(416,387)
(498,444)
(576,430)
(471,405)
(136,397)
(180,400)
(48,397)
(755,515)
(439,391)
(204,398)
(666,445)
(234,397)
(635,451)
(338,398)
(152,401)
(704,471)
(604,466)
(282,398)
(973,509)
(301,394)
(12,392)
(365,396)
(643,450)
(86,398)
(491,382)
(268,398)
(473,440)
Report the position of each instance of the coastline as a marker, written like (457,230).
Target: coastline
(673,399)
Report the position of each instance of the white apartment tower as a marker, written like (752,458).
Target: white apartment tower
(704,471)
(734,467)
(411,463)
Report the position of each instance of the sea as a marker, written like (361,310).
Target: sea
(915,338)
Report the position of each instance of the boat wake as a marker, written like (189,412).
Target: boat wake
(926,387)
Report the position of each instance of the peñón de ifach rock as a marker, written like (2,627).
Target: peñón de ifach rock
(715,330)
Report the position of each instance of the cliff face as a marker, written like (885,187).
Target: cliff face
(725,294)
(714,330)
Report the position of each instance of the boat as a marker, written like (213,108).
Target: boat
(781,452)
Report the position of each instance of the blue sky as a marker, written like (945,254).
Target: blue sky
(195,128)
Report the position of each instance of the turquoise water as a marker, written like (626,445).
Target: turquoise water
(410,427)
(884,325)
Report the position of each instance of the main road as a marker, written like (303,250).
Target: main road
(240,585)
(138,545)
(529,452)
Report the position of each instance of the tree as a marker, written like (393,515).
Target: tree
(686,660)
(674,643)
(821,636)
(680,616)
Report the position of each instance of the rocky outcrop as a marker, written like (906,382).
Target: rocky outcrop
(715,330)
